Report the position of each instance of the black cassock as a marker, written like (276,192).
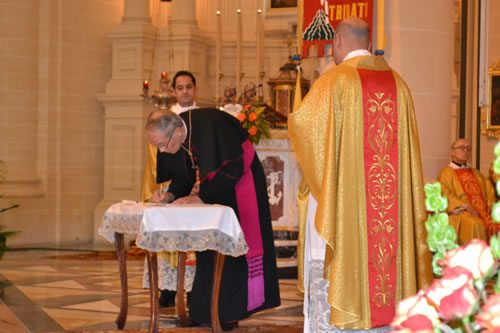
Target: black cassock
(220,147)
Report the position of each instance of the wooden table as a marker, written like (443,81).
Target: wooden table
(182,228)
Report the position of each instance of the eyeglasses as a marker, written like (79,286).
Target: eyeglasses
(463,148)
(164,146)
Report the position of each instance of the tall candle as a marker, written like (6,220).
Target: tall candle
(218,41)
(260,46)
(145,87)
(380,25)
(238,51)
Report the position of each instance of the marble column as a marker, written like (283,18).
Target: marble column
(125,112)
(419,46)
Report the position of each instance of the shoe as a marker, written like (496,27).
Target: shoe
(167,298)
(229,325)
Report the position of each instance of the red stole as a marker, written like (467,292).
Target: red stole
(474,193)
(380,117)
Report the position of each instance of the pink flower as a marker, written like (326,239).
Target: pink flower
(490,317)
(475,256)
(407,330)
(415,313)
(453,295)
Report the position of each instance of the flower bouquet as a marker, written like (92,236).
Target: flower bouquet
(252,119)
(458,301)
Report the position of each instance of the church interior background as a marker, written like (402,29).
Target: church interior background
(71,116)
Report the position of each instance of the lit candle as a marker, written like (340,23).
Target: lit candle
(145,87)
(163,75)
(238,52)
(218,41)
(380,25)
(259,30)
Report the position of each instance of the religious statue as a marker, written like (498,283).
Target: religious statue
(230,95)
(249,94)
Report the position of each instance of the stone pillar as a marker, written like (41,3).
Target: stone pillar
(183,46)
(420,47)
(183,13)
(124,140)
(19,100)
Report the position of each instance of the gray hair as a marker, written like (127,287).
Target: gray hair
(164,121)
(459,139)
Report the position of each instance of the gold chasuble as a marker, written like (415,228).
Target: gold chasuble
(468,186)
(355,135)
(149,185)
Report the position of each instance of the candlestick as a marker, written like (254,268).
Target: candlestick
(238,52)
(260,44)
(218,42)
(380,25)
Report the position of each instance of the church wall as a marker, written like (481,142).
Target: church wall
(55,57)
(488,143)
(67,65)
(18,110)
(419,46)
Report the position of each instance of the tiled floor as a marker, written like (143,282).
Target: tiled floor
(48,293)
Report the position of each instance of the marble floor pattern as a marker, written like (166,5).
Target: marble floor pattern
(45,291)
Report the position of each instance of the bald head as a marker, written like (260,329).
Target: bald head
(351,34)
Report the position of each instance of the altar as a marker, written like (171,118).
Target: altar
(283,175)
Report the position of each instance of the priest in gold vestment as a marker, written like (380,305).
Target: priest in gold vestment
(470,196)
(363,245)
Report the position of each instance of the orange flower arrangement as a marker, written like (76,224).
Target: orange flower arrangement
(252,119)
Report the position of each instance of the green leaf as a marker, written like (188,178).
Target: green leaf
(495,212)
(497,285)
(259,110)
(438,270)
(497,149)
(495,246)
(432,189)
(6,209)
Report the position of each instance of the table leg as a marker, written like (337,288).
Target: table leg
(179,298)
(153,291)
(120,251)
(214,305)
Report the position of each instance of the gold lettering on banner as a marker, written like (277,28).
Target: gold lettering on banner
(382,193)
(355,9)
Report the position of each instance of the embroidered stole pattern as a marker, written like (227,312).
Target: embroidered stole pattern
(474,193)
(381,177)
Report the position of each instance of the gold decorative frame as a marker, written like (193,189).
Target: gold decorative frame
(492,116)
(282,4)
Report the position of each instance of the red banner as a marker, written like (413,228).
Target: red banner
(321,17)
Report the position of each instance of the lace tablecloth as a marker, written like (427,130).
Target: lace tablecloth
(123,217)
(196,227)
